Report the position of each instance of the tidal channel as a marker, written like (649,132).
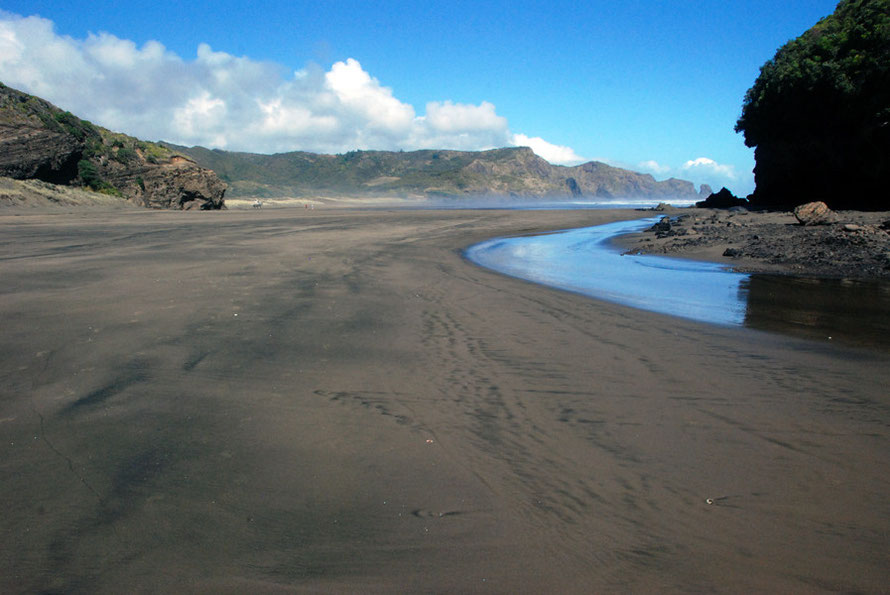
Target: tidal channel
(584,261)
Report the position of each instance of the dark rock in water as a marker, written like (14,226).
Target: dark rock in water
(722,200)
(814,213)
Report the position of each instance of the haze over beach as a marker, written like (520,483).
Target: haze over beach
(649,86)
(465,346)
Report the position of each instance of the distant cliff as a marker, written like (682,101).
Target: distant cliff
(428,173)
(41,142)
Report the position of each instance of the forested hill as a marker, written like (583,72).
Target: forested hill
(429,173)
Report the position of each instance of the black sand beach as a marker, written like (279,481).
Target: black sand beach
(335,400)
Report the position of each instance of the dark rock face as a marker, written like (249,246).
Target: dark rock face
(573,187)
(177,185)
(40,141)
(722,200)
(32,152)
(818,115)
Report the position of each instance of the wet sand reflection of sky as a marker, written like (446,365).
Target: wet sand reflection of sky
(583,261)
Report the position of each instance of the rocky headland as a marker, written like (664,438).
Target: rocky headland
(38,141)
(818,115)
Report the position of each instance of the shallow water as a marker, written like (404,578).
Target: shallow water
(583,261)
(844,310)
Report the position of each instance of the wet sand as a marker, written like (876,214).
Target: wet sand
(265,401)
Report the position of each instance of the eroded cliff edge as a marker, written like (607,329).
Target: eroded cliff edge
(39,141)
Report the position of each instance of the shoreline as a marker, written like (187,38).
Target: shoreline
(856,245)
(337,400)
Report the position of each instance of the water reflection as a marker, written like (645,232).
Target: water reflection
(582,260)
(853,312)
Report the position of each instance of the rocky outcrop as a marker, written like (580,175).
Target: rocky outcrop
(855,245)
(33,152)
(179,184)
(722,200)
(662,228)
(38,141)
(573,187)
(818,115)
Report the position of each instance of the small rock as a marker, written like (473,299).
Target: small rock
(663,226)
(732,252)
(852,227)
(814,213)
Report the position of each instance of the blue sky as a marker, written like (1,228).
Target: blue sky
(654,86)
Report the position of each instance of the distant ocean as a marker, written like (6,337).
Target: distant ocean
(544,204)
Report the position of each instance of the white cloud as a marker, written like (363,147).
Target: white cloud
(367,100)
(451,117)
(708,167)
(653,167)
(555,154)
(220,100)
(702,170)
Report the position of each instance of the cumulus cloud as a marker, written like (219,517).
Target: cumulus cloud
(717,175)
(702,170)
(556,154)
(219,100)
(708,167)
(653,167)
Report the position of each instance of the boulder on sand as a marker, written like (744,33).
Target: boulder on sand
(814,213)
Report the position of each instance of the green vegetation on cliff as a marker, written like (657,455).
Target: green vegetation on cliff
(38,141)
(96,146)
(818,115)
